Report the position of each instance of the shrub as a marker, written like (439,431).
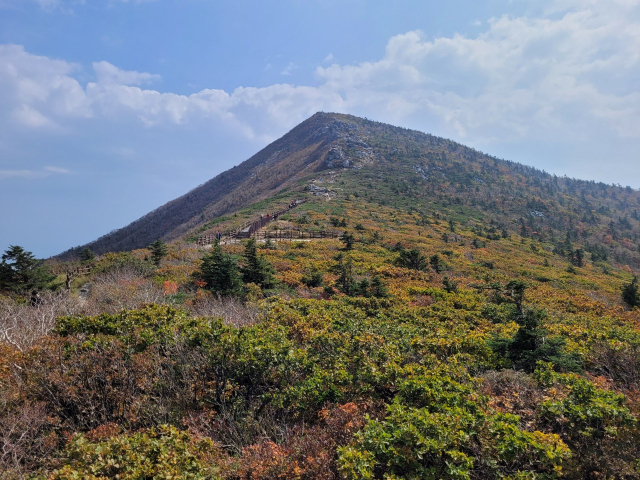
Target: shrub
(595,423)
(161,453)
(435,430)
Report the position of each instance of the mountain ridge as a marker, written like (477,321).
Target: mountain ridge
(389,163)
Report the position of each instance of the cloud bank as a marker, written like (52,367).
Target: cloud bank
(565,76)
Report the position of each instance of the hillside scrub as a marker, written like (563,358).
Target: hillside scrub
(443,336)
(273,386)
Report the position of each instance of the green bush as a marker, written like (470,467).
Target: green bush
(164,453)
(436,428)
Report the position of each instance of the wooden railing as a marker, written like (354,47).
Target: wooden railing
(295,234)
(250,228)
(77,271)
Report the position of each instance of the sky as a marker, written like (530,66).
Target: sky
(111,108)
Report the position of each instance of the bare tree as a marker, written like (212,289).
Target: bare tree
(23,442)
(120,289)
(230,309)
(21,325)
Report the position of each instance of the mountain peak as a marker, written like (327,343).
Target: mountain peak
(338,156)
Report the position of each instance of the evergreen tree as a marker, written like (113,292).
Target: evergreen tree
(514,290)
(412,259)
(256,268)
(378,288)
(313,279)
(346,282)
(450,286)
(220,271)
(364,288)
(158,251)
(87,256)
(577,258)
(567,246)
(532,344)
(21,272)
(437,263)
(630,293)
(348,240)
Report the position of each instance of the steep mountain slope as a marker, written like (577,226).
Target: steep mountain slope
(269,171)
(332,155)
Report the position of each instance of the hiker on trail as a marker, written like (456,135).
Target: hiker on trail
(218,236)
(36,299)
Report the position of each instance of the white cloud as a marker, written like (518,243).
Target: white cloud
(567,76)
(63,6)
(34,173)
(520,77)
(288,70)
(112,75)
(17,173)
(31,117)
(60,170)
(47,4)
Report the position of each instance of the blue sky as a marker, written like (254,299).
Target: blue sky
(110,108)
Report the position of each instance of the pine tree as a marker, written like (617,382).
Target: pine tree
(577,258)
(412,259)
(378,288)
(346,282)
(87,255)
(532,344)
(21,272)
(449,285)
(220,271)
(630,293)
(437,263)
(364,288)
(348,240)
(256,268)
(313,279)
(158,251)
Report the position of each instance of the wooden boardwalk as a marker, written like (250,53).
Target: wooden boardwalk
(255,229)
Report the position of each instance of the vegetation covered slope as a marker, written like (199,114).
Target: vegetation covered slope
(475,319)
(267,172)
(400,167)
(413,347)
